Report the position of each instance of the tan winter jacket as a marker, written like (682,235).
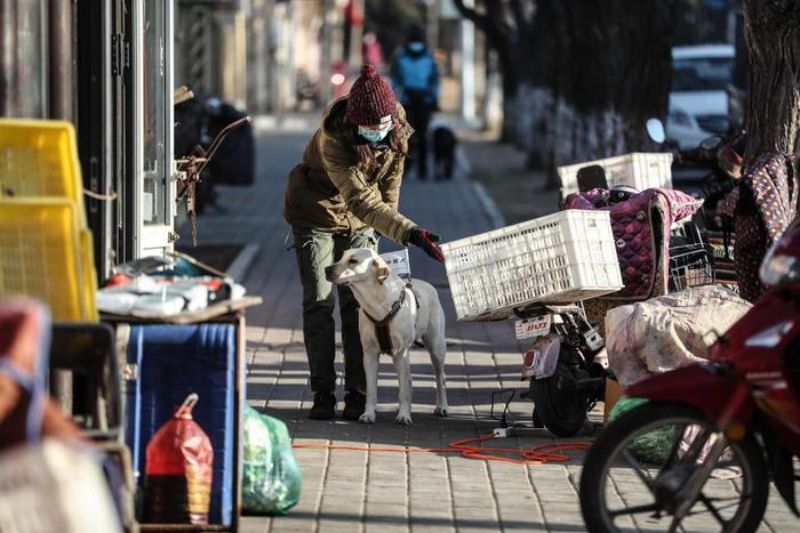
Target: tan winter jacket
(327,191)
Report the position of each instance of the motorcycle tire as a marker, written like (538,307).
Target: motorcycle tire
(560,407)
(632,425)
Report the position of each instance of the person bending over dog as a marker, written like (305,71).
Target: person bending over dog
(345,189)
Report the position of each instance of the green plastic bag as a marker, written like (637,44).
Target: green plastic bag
(654,446)
(272,479)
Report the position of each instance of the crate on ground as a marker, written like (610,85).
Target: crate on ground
(639,170)
(172,361)
(560,258)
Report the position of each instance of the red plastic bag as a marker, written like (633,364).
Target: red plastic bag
(178,471)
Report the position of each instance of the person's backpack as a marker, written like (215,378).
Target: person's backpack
(416,79)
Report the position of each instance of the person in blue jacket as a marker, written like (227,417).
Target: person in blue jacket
(415,78)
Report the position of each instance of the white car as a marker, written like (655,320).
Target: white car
(699,102)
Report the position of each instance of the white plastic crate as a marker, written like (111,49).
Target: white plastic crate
(560,258)
(639,170)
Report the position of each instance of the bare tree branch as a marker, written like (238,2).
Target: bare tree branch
(519,15)
(473,16)
(491,23)
(496,14)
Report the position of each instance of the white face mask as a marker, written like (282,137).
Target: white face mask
(416,46)
(374,136)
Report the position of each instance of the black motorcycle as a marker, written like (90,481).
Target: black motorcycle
(565,380)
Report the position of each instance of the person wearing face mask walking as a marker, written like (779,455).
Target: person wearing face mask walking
(346,189)
(415,78)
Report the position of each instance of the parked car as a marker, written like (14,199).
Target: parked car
(700,99)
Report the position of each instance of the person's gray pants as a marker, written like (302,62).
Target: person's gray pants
(316,250)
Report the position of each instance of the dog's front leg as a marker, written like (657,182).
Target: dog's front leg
(371,363)
(438,353)
(403,367)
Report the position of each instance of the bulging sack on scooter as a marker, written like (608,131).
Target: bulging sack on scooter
(654,446)
(272,478)
(668,332)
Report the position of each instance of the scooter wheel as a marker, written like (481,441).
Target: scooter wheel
(560,406)
(636,474)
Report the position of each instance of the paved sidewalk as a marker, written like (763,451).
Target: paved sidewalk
(358,491)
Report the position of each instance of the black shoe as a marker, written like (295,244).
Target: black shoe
(354,404)
(324,407)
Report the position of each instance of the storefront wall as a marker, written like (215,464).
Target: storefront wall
(108,68)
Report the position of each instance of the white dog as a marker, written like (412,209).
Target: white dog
(393,316)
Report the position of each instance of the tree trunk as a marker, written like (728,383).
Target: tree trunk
(512,55)
(612,74)
(581,77)
(772,31)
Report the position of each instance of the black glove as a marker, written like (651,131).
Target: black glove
(426,240)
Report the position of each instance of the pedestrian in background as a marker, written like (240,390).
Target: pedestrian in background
(372,51)
(415,78)
(346,188)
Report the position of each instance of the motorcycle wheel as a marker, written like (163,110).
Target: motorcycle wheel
(633,473)
(561,408)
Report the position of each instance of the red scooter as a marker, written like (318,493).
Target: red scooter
(702,448)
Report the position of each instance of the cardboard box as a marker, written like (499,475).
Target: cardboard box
(613,393)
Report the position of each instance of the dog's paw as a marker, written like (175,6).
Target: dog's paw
(440,411)
(404,419)
(368,417)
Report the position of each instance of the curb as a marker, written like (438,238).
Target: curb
(244,260)
(496,219)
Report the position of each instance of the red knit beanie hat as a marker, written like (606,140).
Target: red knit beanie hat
(370,99)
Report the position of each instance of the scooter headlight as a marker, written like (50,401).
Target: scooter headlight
(779,269)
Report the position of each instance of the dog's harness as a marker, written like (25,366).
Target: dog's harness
(382,326)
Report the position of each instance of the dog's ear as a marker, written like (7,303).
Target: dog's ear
(381,269)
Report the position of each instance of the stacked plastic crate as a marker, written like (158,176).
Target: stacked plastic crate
(561,258)
(638,170)
(174,361)
(45,244)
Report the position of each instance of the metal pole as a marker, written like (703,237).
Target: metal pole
(61,67)
(432,24)
(467,68)
(356,57)
(326,41)
(257,79)
(59,103)
(291,70)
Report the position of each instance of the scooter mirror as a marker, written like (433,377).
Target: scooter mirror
(655,130)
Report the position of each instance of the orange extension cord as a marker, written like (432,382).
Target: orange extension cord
(538,455)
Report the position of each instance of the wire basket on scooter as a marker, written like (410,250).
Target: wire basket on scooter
(690,266)
(691,263)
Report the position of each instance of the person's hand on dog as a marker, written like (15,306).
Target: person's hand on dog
(426,240)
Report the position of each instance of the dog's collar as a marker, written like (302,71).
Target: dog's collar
(382,326)
(394,310)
